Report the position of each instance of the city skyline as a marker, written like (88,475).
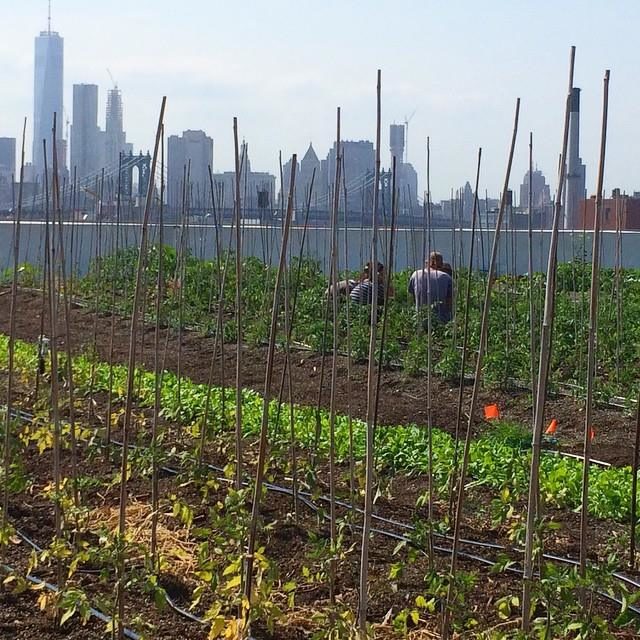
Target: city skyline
(206,85)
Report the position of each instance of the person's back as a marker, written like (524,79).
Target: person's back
(432,287)
(362,293)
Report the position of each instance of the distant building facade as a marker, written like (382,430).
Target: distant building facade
(192,152)
(48,99)
(7,160)
(617,210)
(540,192)
(576,171)
(257,188)
(406,176)
(358,164)
(115,138)
(87,143)
(307,175)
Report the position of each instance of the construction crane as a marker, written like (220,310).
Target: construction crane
(407,120)
(115,84)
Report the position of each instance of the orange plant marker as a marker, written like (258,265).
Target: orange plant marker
(552,428)
(592,433)
(491,412)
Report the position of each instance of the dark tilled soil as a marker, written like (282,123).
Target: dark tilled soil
(402,401)
(402,398)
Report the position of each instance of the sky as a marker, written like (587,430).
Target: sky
(454,67)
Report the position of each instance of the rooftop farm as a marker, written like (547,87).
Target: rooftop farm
(223,449)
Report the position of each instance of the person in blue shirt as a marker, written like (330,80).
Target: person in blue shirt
(432,287)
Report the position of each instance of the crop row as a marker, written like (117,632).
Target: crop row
(191,293)
(499,458)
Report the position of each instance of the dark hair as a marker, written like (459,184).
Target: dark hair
(366,272)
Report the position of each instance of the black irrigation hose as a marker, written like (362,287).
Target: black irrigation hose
(304,499)
(345,505)
(96,613)
(445,550)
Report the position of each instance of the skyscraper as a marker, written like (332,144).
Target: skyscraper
(86,153)
(47,97)
(406,176)
(194,148)
(7,160)
(576,171)
(115,137)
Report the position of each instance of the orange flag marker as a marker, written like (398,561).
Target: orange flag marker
(491,412)
(552,428)
(592,433)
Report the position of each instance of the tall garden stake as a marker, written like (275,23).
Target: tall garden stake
(157,402)
(592,339)
(543,369)
(465,343)
(484,327)
(334,365)
(11,350)
(262,453)
(131,373)
(371,386)
(238,213)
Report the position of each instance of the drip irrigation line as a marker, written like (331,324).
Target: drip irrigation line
(96,613)
(304,498)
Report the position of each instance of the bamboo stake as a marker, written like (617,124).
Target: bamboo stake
(55,381)
(429,361)
(465,343)
(352,471)
(532,322)
(593,334)
(11,348)
(94,342)
(113,309)
(371,385)
(262,453)
(157,405)
(66,296)
(543,369)
(122,519)
(618,286)
(237,206)
(334,367)
(218,340)
(180,277)
(387,280)
(634,488)
(478,377)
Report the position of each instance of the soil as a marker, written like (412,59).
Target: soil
(288,544)
(401,401)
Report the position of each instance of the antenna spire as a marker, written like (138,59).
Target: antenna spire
(49,18)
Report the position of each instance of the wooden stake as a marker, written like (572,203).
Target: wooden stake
(543,370)
(157,404)
(238,213)
(532,321)
(131,372)
(593,333)
(262,453)
(11,347)
(334,367)
(477,381)
(371,386)
(465,344)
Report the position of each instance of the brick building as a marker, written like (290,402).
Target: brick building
(624,207)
